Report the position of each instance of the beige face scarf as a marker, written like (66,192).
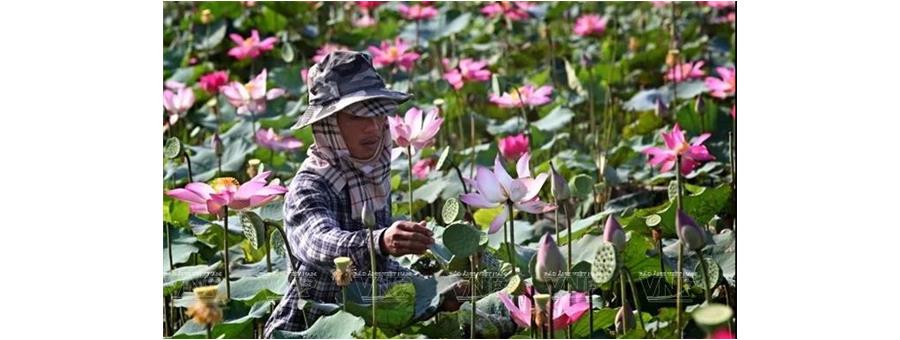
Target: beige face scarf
(368,180)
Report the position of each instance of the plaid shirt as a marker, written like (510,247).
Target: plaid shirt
(320,229)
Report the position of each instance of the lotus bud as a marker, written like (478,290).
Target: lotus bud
(368,216)
(558,185)
(550,261)
(689,233)
(624,319)
(206,16)
(614,234)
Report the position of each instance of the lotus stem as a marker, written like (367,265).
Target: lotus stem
(679,271)
(374,283)
(268,251)
(473,265)
(209,332)
(550,311)
(225,250)
(187,159)
(590,313)
(511,246)
(569,259)
(409,184)
(169,244)
(637,302)
(703,266)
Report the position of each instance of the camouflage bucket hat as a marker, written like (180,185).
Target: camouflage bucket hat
(341,79)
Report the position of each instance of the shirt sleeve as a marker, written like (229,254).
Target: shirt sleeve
(315,234)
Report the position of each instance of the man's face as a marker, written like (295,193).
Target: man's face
(361,134)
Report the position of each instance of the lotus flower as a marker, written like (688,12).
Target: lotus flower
(724,87)
(369,4)
(323,51)
(177,99)
(689,232)
(226,191)
(550,261)
(417,12)
(567,309)
(467,71)
(513,147)
(515,10)
(691,154)
(526,95)
(614,234)
(393,54)
(211,82)
(721,333)
(720,4)
(269,139)
(412,130)
(422,168)
(498,188)
(686,71)
(590,24)
(365,20)
(251,47)
(250,97)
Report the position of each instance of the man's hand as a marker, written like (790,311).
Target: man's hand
(406,237)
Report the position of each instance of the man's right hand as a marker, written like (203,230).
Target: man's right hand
(406,237)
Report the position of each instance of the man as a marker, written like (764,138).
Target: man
(347,167)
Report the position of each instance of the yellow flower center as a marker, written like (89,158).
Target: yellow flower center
(393,52)
(682,148)
(223,184)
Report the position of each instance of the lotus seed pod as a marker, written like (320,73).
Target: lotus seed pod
(672,57)
(614,234)
(689,232)
(206,16)
(633,44)
(541,301)
(206,293)
(368,216)
(558,185)
(253,167)
(341,263)
(550,261)
(624,319)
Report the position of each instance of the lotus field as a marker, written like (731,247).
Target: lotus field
(576,162)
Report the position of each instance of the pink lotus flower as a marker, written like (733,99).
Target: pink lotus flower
(417,12)
(515,10)
(393,54)
(422,168)
(364,20)
(691,154)
(467,70)
(211,82)
(177,99)
(226,191)
(369,4)
(724,87)
(304,73)
(590,24)
(412,130)
(721,333)
(250,47)
(323,51)
(526,95)
(269,139)
(567,309)
(250,97)
(720,4)
(498,188)
(513,147)
(686,71)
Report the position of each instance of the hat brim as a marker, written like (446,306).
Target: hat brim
(315,113)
